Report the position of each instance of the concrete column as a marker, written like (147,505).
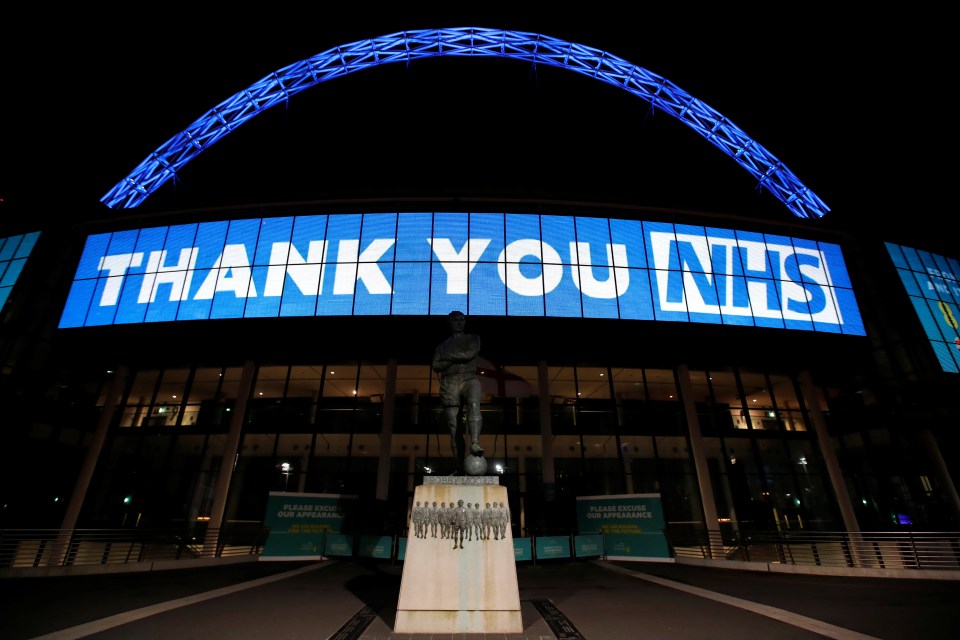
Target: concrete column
(304,469)
(546,432)
(386,430)
(812,401)
(231,448)
(411,471)
(943,473)
(698,451)
(114,394)
(522,470)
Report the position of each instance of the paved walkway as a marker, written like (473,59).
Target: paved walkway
(594,600)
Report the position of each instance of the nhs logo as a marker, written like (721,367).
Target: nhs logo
(483,263)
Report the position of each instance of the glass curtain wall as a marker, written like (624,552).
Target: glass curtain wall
(319,429)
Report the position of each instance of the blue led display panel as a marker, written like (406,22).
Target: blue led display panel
(933,284)
(14,251)
(485,264)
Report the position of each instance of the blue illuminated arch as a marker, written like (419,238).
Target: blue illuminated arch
(281,85)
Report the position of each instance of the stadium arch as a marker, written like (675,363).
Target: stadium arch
(406,46)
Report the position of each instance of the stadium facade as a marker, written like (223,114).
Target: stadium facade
(174,369)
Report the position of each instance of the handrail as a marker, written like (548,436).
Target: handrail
(23,549)
(909,550)
(26,548)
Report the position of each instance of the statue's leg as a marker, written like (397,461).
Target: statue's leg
(452,426)
(472,392)
(452,415)
(475,423)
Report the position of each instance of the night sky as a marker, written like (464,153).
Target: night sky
(858,107)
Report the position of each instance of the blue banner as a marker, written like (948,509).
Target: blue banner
(933,283)
(589,545)
(549,547)
(339,544)
(298,523)
(636,546)
(375,547)
(484,263)
(632,525)
(522,549)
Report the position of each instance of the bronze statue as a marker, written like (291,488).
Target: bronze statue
(455,359)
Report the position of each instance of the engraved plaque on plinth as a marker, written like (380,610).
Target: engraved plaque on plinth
(456,579)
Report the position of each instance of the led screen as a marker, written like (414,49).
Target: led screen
(14,251)
(933,283)
(480,263)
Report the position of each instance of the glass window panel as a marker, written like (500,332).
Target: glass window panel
(793,420)
(526,446)
(600,446)
(764,419)
(271,382)
(562,383)
(773,453)
(231,382)
(638,455)
(206,382)
(304,382)
(216,447)
(519,381)
(784,392)
(566,447)
(188,452)
(805,456)
(294,446)
(628,384)
(293,460)
(258,445)
(699,387)
(674,455)
(414,385)
(153,453)
(372,381)
(143,388)
(331,445)
(661,385)
(133,415)
(757,400)
(414,379)
(366,445)
(341,381)
(740,452)
(406,445)
(166,407)
(202,394)
(593,383)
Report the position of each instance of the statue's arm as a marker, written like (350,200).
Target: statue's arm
(464,350)
(441,361)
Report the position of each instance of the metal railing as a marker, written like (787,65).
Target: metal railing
(871,550)
(24,548)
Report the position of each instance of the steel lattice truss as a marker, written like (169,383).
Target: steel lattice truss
(281,85)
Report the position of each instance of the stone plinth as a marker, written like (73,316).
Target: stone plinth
(460,590)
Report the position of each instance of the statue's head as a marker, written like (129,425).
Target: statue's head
(457,320)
